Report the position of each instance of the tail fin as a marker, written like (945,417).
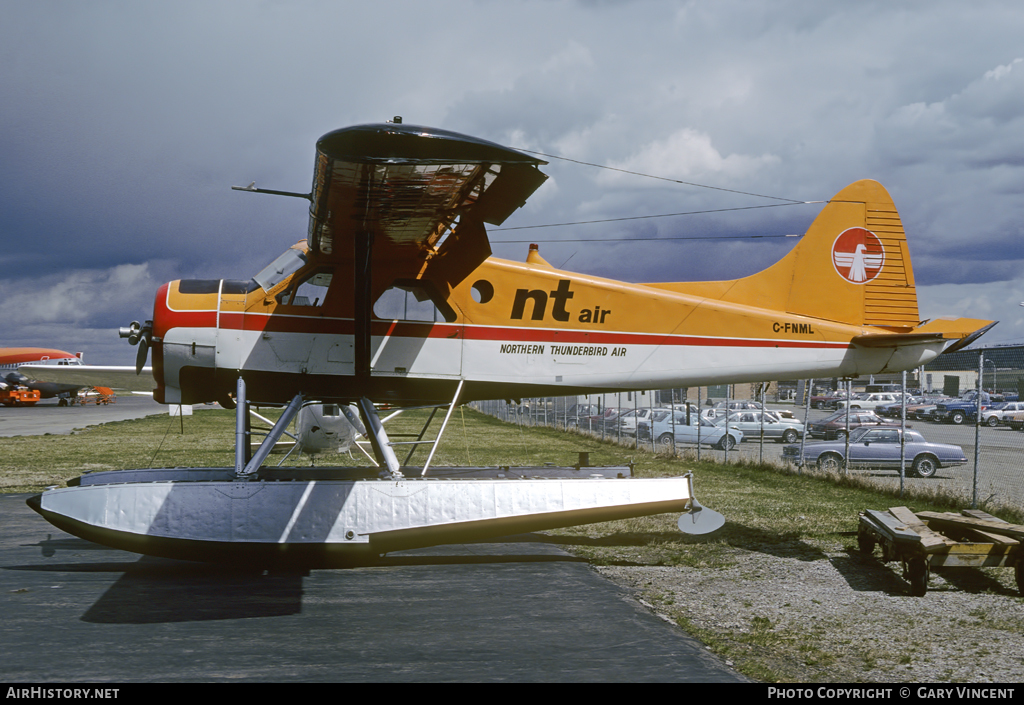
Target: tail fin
(852,266)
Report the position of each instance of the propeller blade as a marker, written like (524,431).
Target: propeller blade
(140,357)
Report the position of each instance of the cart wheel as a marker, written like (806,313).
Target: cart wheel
(918,572)
(865,543)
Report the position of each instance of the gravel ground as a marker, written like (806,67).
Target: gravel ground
(830,614)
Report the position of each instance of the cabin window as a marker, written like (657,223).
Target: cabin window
(310,290)
(411,302)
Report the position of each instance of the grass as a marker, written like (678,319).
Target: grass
(768,508)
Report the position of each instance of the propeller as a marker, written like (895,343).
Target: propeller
(141,335)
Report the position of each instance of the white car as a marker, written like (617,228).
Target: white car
(753,425)
(628,421)
(667,430)
(871,401)
(1001,412)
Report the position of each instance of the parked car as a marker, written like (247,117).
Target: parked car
(667,430)
(961,410)
(894,410)
(1001,412)
(720,409)
(577,415)
(828,401)
(1016,421)
(925,411)
(606,420)
(879,448)
(870,401)
(834,426)
(627,422)
(774,428)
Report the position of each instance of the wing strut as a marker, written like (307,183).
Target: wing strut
(361,297)
(451,408)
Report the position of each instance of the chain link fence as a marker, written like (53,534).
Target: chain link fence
(940,405)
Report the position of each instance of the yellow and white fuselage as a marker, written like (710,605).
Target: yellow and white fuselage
(515,329)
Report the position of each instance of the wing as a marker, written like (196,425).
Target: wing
(420,193)
(115,377)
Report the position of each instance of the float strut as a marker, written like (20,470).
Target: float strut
(275,434)
(241,427)
(378,437)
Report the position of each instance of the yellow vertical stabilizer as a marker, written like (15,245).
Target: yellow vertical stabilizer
(852,266)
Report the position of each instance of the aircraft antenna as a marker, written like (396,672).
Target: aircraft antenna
(251,188)
(663,215)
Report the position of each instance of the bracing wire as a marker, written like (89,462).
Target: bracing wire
(661,178)
(170,422)
(788,202)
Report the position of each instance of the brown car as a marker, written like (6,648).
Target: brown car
(834,426)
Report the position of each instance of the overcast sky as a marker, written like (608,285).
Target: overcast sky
(123,125)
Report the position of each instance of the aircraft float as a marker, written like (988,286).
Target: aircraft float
(393,298)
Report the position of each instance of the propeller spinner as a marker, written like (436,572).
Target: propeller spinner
(141,335)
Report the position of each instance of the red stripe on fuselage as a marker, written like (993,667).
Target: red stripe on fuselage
(166,318)
(411,329)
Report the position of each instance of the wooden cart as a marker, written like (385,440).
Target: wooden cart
(925,540)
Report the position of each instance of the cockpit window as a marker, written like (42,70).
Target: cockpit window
(284,266)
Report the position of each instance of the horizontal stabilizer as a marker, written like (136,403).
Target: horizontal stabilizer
(957,332)
(887,340)
(961,332)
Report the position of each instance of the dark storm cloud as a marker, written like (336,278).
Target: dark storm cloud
(122,125)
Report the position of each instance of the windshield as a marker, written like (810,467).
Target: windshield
(841,414)
(858,433)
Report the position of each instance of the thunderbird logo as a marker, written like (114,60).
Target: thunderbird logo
(858,255)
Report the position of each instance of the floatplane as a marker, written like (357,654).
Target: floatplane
(394,300)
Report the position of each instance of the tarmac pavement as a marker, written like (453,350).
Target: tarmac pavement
(47,417)
(517,610)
